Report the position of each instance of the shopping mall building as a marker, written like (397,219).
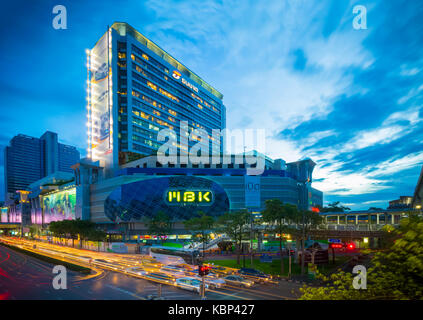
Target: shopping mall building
(135,90)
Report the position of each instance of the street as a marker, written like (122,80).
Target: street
(25,277)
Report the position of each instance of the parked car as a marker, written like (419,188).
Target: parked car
(238,281)
(255,275)
(189,283)
(161,277)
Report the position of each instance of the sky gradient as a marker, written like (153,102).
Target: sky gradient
(349,99)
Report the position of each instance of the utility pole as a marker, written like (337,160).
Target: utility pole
(203,288)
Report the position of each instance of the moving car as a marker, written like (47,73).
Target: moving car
(212,282)
(255,275)
(238,281)
(104,263)
(223,270)
(137,271)
(174,270)
(151,265)
(189,283)
(161,277)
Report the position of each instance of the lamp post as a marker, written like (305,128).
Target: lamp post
(303,227)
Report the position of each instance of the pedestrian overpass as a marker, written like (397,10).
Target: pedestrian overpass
(367,220)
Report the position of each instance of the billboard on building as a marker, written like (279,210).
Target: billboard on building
(100,101)
(59,206)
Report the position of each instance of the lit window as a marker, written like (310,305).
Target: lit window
(152,86)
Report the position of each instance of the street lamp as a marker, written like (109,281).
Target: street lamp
(303,233)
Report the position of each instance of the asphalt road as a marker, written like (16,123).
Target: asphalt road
(25,278)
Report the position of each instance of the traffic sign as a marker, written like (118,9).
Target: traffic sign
(334,240)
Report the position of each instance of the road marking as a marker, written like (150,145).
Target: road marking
(125,291)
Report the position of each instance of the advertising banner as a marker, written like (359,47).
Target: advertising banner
(100,83)
(59,206)
(119,247)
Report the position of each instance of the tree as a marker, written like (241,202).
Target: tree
(307,220)
(395,273)
(235,225)
(279,215)
(57,228)
(225,245)
(375,209)
(333,207)
(200,227)
(73,229)
(97,235)
(160,225)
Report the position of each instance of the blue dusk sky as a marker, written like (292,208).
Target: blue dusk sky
(349,99)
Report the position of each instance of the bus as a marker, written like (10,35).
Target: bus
(169,255)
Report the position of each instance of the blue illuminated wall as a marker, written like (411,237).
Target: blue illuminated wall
(144,199)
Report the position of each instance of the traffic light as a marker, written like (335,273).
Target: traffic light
(336,245)
(203,270)
(351,246)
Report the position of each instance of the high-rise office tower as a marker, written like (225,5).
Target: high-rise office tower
(28,159)
(136,89)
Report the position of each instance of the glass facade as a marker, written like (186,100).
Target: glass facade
(29,159)
(154,91)
(179,197)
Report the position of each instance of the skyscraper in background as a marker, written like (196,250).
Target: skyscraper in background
(136,89)
(28,159)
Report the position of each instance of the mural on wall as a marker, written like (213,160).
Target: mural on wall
(59,206)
